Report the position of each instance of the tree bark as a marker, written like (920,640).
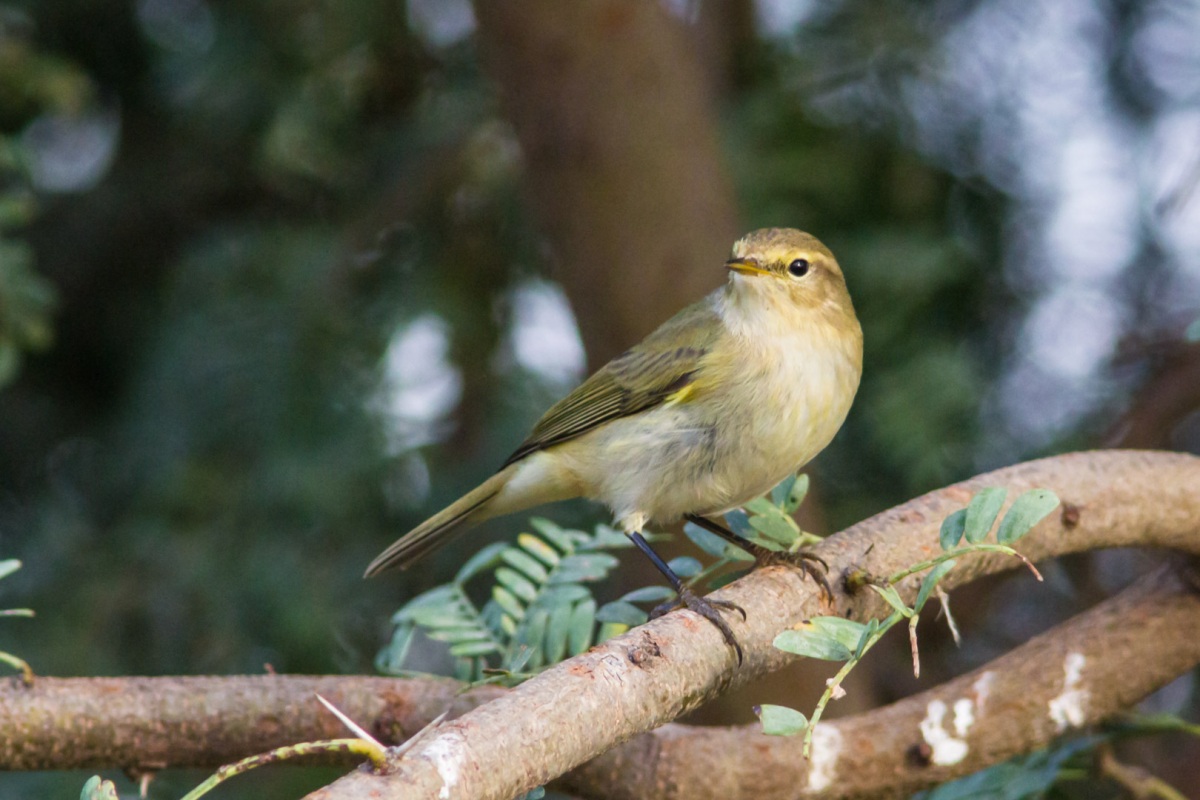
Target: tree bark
(1130,645)
(649,676)
(145,724)
(1118,652)
(619,134)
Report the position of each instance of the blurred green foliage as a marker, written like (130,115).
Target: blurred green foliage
(195,462)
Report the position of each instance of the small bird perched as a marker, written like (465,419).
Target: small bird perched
(711,410)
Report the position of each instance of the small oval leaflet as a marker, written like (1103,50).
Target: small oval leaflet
(622,612)
(952,529)
(1027,510)
(812,643)
(780,720)
(982,511)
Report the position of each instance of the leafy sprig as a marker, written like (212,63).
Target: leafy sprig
(539,608)
(838,639)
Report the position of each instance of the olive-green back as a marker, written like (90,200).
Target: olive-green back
(641,378)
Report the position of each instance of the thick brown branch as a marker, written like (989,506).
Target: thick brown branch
(1079,673)
(648,677)
(1130,646)
(150,723)
(613,114)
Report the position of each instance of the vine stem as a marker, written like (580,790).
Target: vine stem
(369,749)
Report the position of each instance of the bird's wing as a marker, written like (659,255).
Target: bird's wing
(646,375)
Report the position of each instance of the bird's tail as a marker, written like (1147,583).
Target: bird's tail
(439,529)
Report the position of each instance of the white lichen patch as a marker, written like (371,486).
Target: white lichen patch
(1068,709)
(446,754)
(822,766)
(982,687)
(946,749)
(964,716)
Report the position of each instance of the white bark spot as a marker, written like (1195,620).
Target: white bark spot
(446,756)
(826,748)
(982,687)
(964,716)
(1068,709)
(946,749)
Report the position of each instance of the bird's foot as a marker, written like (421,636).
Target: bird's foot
(811,564)
(707,609)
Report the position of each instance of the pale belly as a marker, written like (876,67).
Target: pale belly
(714,454)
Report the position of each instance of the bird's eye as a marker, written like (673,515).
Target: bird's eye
(799,267)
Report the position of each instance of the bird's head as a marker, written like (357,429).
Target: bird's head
(788,271)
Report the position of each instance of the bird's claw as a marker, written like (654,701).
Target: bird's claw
(707,609)
(806,562)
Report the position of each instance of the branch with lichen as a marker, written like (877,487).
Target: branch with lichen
(653,674)
(636,682)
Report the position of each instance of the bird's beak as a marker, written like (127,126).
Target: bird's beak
(745,266)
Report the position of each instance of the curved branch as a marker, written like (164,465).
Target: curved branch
(1080,673)
(144,724)
(654,673)
(1129,646)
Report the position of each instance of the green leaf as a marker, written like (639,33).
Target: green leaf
(648,594)
(952,529)
(438,597)
(685,566)
(508,625)
(807,641)
(523,656)
(472,649)
(456,635)
(445,617)
(532,634)
(609,538)
(780,720)
(738,521)
(562,594)
(726,579)
(609,630)
(706,540)
(892,597)
(544,552)
(98,789)
(8,566)
(931,581)
(557,628)
(508,602)
(795,497)
(583,622)
(529,566)
(846,631)
(870,630)
(776,527)
(779,494)
(554,534)
(391,659)
(761,505)
(516,583)
(1026,511)
(623,613)
(486,558)
(981,513)
(583,568)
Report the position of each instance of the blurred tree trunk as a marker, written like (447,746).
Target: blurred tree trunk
(616,120)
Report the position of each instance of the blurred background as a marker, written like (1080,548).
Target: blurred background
(279,278)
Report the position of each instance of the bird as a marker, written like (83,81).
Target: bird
(712,409)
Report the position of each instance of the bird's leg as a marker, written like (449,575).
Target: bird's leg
(763,557)
(689,599)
